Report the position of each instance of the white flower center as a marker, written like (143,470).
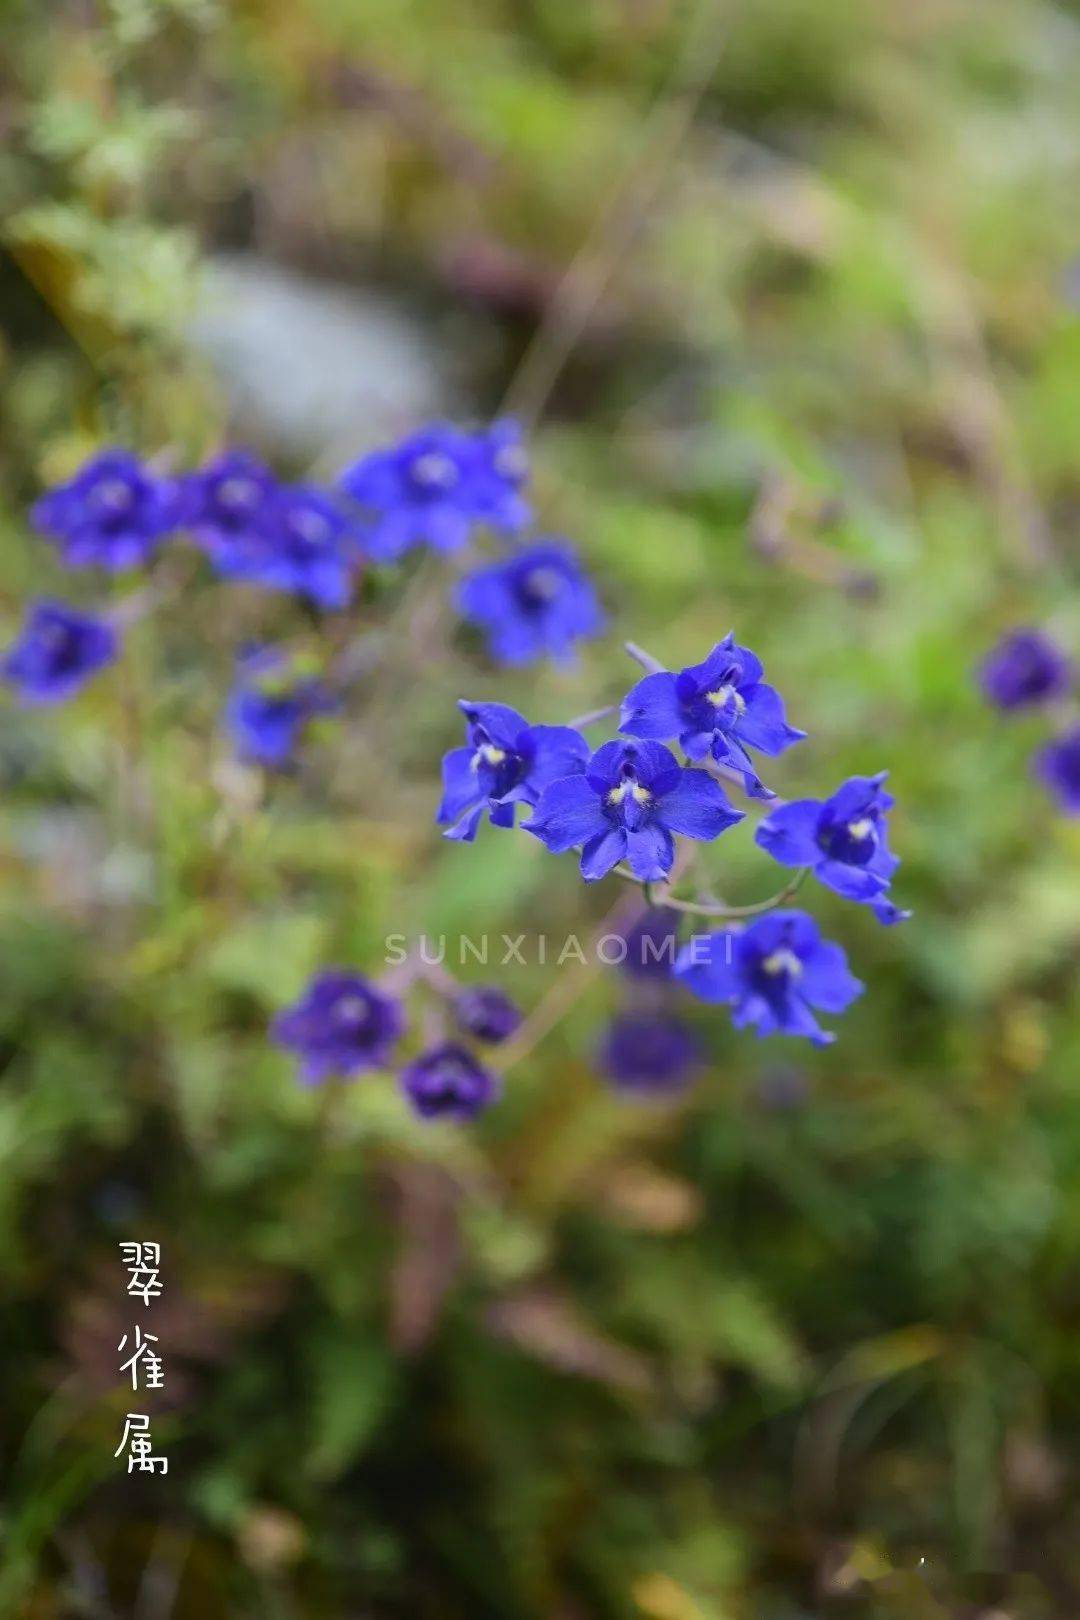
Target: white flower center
(488,754)
(860,829)
(352,1010)
(542,584)
(114,493)
(434,470)
(639,794)
(783,961)
(238,492)
(725,694)
(310,526)
(511,461)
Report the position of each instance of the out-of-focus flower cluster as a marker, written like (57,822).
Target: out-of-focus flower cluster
(343,1024)
(1027,670)
(439,488)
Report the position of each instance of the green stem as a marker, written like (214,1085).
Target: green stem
(697,908)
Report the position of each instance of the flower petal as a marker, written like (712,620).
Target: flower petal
(697,807)
(853,882)
(706,965)
(650,852)
(568,813)
(602,853)
(826,980)
(762,725)
(460,790)
(652,709)
(789,833)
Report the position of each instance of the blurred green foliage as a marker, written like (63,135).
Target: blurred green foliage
(805,1343)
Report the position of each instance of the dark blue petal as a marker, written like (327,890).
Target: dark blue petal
(826,981)
(602,852)
(853,882)
(762,724)
(789,834)
(650,852)
(697,807)
(652,709)
(567,814)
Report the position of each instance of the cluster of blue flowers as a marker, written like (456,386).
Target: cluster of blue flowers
(623,806)
(436,488)
(343,1024)
(1027,670)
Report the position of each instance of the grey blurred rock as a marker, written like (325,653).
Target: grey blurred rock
(310,367)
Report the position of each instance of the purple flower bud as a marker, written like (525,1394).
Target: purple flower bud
(486,1013)
(340,1025)
(447,1082)
(112,514)
(648,1053)
(1024,670)
(534,605)
(1058,765)
(57,652)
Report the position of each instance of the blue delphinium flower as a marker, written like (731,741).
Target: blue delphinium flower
(340,1025)
(227,504)
(771,973)
(651,943)
(718,708)
(535,604)
(506,762)
(434,487)
(500,472)
(630,801)
(844,840)
(487,1013)
(648,1053)
(270,705)
(112,514)
(447,1082)
(420,492)
(57,651)
(304,544)
(1024,670)
(1058,766)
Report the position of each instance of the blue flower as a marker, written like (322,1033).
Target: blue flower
(1024,670)
(486,1013)
(447,1082)
(420,492)
(648,1053)
(1058,765)
(651,943)
(534,605)
(844,841)
(303,543)
(57,652)
(771,973)
(499,474)
(719,708)
(506,762)
(113,513)
(341,1025)
(632,798)
(227,504)
(269,706)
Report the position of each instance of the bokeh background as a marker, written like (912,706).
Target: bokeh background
(789,289)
